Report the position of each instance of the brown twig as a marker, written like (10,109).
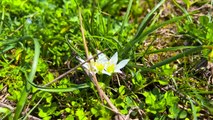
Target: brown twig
(93,76)
(69,71)
(12,109)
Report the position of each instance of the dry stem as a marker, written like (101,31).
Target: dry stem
(93,76)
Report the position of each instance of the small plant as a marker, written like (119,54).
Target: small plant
(104,66)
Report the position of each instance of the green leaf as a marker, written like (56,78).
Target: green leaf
(176,112)
(94,112)
(121,90)
(138,76)
(42,113)
(102,118)
(171,99)
(67,110)
(3,110)
(183,114)
(150,98)
(81,114)
(70,117)
(163,82)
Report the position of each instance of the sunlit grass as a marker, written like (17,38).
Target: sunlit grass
(161,74)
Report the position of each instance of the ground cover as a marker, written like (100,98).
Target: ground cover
(120,59)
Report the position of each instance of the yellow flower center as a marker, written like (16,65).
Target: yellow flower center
(99,66)
(110,68)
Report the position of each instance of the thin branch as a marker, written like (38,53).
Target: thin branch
(92,74)
(12,109)
(71,70)
(87,54)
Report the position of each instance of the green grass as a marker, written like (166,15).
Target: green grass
(40,75)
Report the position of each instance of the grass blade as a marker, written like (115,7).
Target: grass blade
(70,89)
(31,110)
(171,49)
(193,109)
(147,19)
(2,19)
(125,18)
(142,27)
(183,9)
(23,99)
(203,101)
(185,53)
(148,31)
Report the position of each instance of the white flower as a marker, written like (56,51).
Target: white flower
(86,65)
(104,66)
(112,66)
(100,62)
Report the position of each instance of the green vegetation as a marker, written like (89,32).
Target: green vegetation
(45,48)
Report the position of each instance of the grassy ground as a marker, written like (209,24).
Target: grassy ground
(168,44)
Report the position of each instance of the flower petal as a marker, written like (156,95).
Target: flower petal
(86,65)
(102,58)
(114,58)
(121,64)
(107,73)
(90,56)
(81,60)
(118,71)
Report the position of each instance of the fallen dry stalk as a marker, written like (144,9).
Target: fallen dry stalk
(93,77)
